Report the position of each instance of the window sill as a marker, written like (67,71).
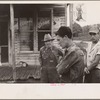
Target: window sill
(28,52)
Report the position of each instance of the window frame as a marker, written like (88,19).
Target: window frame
(25,32)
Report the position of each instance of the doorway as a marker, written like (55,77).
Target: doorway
(4,42)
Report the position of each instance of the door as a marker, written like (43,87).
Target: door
(4,42)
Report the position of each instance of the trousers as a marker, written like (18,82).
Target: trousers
(93,77)
(49,75)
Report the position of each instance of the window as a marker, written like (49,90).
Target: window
(24,27)
(43,25)
(58,18)
(58,21)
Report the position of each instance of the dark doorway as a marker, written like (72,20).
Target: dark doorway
(4,41)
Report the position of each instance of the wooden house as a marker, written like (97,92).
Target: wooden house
(22,28)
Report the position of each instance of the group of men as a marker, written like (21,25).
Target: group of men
(67,65)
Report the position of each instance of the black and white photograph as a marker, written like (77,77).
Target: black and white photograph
(50,44)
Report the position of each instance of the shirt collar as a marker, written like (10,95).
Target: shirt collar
(72,47)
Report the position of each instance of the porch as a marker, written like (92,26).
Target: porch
(29,74)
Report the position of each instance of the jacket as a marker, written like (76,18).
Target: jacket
(49,57)
(71,67)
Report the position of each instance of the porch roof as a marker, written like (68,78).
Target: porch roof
(24,10)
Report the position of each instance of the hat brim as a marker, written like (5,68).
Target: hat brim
(47,40)
(92,33)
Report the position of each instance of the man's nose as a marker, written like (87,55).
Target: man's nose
(92,36)
(58,41)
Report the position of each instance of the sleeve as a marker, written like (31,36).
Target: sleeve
(98,50)
(60,55)
(60,52)
(66,63)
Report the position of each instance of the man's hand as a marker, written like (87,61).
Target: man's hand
(86,70)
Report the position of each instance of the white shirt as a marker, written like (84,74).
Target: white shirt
(92,52)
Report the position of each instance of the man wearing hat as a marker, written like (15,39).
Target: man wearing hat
(71,66)
(93,57)
(49,58)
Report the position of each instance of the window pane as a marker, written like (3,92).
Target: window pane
(3,33)
(26,37)
(24,30)
(58,18)
(26,24)
(26,41)
(44,20)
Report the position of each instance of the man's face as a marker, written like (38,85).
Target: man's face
(48,43)
(94,37)
(62,41)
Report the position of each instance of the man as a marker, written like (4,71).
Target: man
(93,57)
(71,67)
(49,58)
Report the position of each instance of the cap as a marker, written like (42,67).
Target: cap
(94,30)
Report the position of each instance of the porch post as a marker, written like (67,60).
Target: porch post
(35,31)
(12,40)
(51,20)
(66,14)
(71,15)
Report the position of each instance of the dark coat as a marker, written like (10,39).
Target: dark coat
(71,68)
(49,59)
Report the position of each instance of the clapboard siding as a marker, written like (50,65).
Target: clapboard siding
(31,58)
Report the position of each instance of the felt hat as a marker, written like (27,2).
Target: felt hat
(48,37)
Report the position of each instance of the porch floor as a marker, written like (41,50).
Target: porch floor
(22,73)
